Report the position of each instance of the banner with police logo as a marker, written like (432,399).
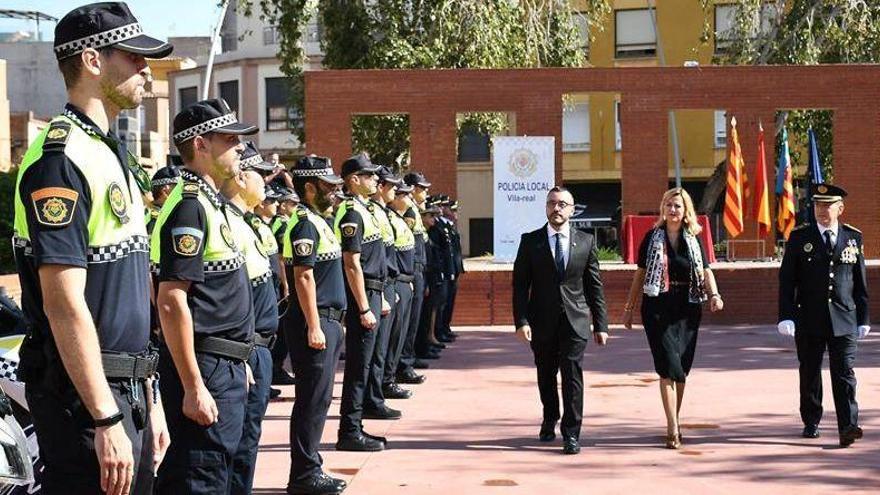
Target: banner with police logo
(523,174)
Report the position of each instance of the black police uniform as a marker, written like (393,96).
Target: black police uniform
(195,244)
(74,177)
(406,371)
(823,289)
(435,283)
(457,270)
(405,256)
(441,236)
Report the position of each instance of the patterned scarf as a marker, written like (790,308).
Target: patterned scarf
(657,271)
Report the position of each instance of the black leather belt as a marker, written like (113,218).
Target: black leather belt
(331,314)
(372,284)
(405,278)
(232,349)
(138,367)
(265,340)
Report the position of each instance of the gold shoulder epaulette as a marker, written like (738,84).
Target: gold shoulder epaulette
(850,227)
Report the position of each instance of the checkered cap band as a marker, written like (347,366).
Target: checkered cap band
(8,369)
(317,172)
(262,279)
(99,40)
(229,265)
(164,182)
(252,161)
(115,252)
(205,127)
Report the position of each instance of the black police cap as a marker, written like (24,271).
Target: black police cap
(416,179)
(206,116)
(285,194)
(271,194)
(315,166)
(826,193)
(386,175)
(165,176)
(357,164)
(105,24)
(251,159)
(404,188)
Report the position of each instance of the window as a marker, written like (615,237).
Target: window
(280,115)
(228,42)
(720,129)
(229,92)
(576,127)
(725,18)
(270,35)
(617,142)
(187,96)
(473,146)
(583,29)
(634,33)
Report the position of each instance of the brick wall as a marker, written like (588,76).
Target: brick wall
(433,97)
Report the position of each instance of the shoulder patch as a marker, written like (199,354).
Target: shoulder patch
(349,203)
(54,206)
(303,247)
(186,241)
(348,229)
(190,189)
(57,136)
(301,212)
(800,227)
(850,227)
(410,222)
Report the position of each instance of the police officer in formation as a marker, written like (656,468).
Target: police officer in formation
(287,203)
(162,183)
(205,305)
(80,244)
(823,303)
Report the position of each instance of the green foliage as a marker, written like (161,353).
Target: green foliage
(608,254)
(7,215)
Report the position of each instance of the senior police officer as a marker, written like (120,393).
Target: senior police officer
(244,191)
(314,322)
(205,305)
(823,302)
(162,183)
(363,257)
(81,253)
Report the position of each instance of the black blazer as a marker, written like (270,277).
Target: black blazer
(814,286)
(539,297)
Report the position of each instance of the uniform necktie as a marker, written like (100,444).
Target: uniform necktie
(560,260)
(829,246)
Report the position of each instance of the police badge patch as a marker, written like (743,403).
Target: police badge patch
(227,235)
(808,247)
(410,222)
(303,247)
(54,206)
(117,202)
(186,241)
(348,229)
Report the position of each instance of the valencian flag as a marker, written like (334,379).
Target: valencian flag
(733,199)
(762,195)
(785,215)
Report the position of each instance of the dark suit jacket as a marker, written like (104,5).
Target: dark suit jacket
(539,297)
(814,286)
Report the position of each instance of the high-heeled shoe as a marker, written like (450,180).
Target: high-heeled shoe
(673,441)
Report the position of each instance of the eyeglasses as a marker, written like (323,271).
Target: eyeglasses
(561,204)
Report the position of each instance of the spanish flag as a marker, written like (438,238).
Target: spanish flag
(762,195)
(785,216)
(733,199)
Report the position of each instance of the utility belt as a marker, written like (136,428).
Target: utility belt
(129,366)
(405,278)
(373,284)
(331,314)
(230,349)
(265,340)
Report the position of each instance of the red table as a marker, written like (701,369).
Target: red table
(636,226)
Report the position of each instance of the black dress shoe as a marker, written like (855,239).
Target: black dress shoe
(359,443)
(320,484)
(410,378)
(570,446)
(382,413)
(377,438)
(439,346)
(395,391)
(282,377)
(811,431)
(548,431)
(430,355)
(850,435)
(420,365)
(445,339)
(274,393)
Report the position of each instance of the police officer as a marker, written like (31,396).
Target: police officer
(314,322)
(162,183)
(205,305)
(81,253)
(287,202)
(404,251)
(363,257)
(829,254)
(427,347)
(449,221)
(244,192)
(441,237)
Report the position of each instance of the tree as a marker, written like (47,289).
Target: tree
(430,34)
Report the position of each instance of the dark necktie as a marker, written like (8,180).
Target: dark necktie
(560,260)
(829,247)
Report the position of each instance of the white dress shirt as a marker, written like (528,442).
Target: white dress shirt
(566,241)
(833,229)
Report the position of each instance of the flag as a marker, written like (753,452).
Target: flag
(785,215)
(733,198)
(762,195)
(815,170)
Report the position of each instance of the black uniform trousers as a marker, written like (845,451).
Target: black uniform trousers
(66,437)
(449,308)
(842,356)
(374,398)
(360,344)
(199,460)
(560,350)
(279,348)
(244,462)
(408,356)
(398,331)
(315,371)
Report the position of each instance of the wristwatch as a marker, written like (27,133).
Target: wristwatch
(109,420)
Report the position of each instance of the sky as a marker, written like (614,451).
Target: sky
(159,18)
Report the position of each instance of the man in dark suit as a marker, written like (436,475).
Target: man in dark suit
(555,280)
(823,302)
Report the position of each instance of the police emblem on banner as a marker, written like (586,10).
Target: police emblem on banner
(348,229)
(54,206)
(523,163)
(303,247)
(227,235)
(186,241)
(117,202)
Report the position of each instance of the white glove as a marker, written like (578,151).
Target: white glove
(786,327)
(864,330)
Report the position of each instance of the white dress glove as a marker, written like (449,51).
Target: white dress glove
(786,327)
(864,330)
